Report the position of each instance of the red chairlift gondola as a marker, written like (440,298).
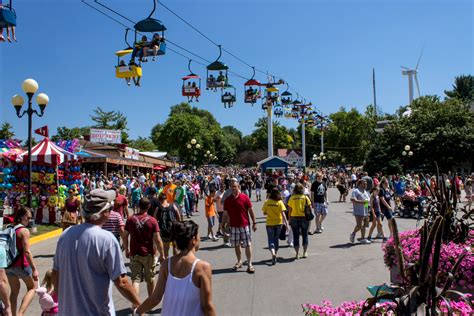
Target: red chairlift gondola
(253,90)
(191,86)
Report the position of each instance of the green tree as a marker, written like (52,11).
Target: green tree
(350,133)
(6,131)
(435,131)
(185,123)
(142,144)
(64,132)
(463,89)
(259,137)
(111,120)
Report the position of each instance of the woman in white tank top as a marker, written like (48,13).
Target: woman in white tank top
(184,280)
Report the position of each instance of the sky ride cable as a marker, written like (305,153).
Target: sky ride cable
(169,41)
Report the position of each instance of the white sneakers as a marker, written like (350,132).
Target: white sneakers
(365,241)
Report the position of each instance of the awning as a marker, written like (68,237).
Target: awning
(160,168)
(48,152)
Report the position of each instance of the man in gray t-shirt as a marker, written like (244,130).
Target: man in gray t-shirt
(87,259)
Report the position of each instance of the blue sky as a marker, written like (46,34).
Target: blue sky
(324,49)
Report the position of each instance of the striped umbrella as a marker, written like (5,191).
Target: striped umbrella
(47,152)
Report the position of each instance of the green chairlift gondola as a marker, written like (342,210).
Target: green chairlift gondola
(220,69)
(157,45)
(286,97)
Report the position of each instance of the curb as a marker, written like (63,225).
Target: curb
(48,235)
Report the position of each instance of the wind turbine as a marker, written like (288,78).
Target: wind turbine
(412,73)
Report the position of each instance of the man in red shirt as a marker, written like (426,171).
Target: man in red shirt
(144,241)
(121,203)
(237,210)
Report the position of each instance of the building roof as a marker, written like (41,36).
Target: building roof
(271,158)
(283,152)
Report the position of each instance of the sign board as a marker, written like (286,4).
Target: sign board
(132,153)
(106,136)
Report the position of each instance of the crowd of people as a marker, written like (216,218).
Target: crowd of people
(107,218)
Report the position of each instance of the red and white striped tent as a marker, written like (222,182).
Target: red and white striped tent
(48,152)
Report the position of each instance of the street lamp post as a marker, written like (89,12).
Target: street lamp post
(30,86)
(406,151)
(194,145)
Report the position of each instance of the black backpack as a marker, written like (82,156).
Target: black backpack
(165,222)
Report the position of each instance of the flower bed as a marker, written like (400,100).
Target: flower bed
(450,252)
(354,308)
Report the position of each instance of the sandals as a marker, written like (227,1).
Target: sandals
(251,270)
(238,265)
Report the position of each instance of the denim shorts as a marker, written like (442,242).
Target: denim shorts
(20,272)
(387,213)
(3,258)
(321,208)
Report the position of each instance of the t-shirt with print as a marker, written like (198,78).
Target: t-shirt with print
(237,209)
(87,258)
(359,208)
(297,203)
(319,191)
(179,195)
(141,228)
(273,210)
(386,195)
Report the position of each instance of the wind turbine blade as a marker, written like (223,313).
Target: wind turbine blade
(417,85)
(405,67)
(419,58)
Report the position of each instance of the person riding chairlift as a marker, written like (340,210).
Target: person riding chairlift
(154,45)
(9,29)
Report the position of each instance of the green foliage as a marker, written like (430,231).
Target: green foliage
(463,89)
(6,131)
(111,120)
(142,144)
(259,137)
(436,130)
(351,134)
(185,123)
(64,132)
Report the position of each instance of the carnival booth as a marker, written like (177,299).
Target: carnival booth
(53,170)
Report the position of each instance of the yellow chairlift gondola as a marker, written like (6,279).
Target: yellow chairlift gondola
(128,71)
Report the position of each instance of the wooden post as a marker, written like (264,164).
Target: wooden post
(105,168)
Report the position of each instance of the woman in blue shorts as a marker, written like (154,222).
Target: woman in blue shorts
(376,214)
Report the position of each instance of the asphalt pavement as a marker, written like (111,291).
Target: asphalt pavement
(335,269)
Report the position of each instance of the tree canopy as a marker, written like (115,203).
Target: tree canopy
(6,131)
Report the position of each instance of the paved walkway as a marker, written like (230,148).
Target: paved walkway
(335,269)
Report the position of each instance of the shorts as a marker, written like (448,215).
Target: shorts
(240,236)
(220,215)
(20,272)
(258,191)
(211,220)
(135,203)
(321,208)
(387,213)
(3,258)
(142,268)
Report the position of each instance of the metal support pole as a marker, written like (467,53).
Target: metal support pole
(270,130)
(322,140)
(303,141)
(30,116)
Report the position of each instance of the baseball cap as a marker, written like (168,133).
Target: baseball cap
(98,201)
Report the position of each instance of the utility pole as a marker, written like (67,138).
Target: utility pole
(375,98)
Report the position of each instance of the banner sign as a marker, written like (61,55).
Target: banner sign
(106,136)
(132,153)
(43,131)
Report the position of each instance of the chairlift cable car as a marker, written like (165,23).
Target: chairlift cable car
(191,85)
(130,71)
(228,96)
(221,81)
(286,97)
(157,45)
(253,91)
(8,19)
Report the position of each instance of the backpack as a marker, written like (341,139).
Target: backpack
(167,217)
(8,242)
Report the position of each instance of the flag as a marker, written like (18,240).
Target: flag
(43,131)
